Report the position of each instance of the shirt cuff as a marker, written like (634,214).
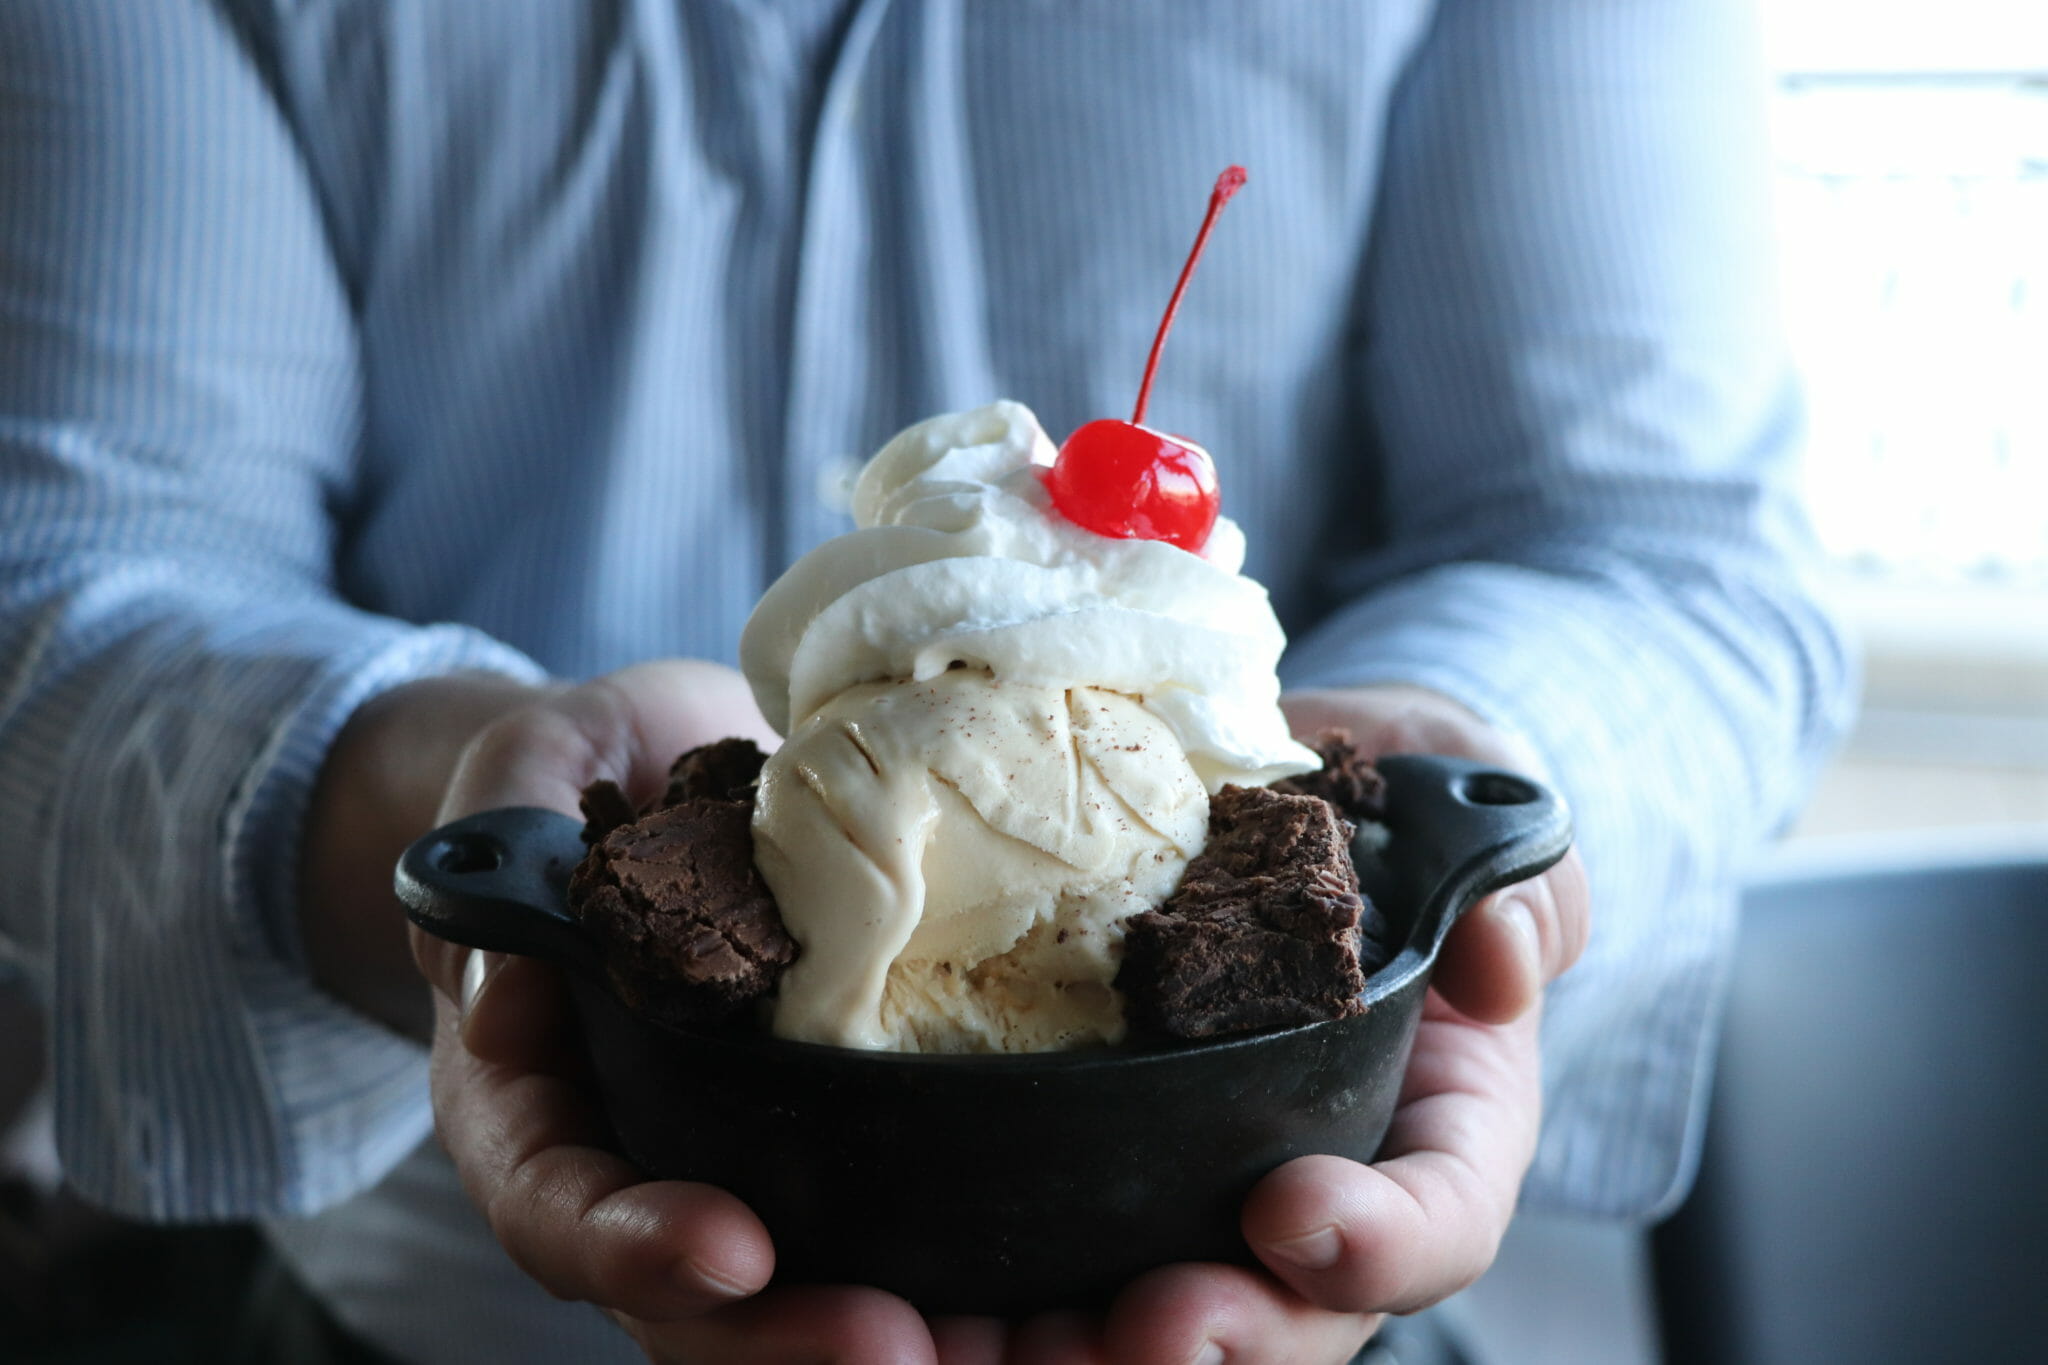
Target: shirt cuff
(349,1097)
(202,1076)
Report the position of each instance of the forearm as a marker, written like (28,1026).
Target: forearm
(378,790)
(180,426)
(155,768)
(1657,693)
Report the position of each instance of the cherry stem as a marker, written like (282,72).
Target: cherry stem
(1227,184)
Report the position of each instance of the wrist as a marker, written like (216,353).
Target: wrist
(378,790)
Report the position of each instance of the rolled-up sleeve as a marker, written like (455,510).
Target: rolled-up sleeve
(1587,523)
(179,411)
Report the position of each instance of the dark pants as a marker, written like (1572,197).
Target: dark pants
(282,1321)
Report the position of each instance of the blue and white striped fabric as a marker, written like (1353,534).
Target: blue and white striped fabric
(343,343)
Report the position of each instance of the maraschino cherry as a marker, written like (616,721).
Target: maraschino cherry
(1126,480)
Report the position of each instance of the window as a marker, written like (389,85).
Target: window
(1912,152)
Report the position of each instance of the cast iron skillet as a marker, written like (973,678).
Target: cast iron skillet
(1001,1184)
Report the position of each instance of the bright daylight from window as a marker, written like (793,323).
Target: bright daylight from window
(1913,198)
(1912,146)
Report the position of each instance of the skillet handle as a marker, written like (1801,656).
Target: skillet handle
(1464,829)
(499,880)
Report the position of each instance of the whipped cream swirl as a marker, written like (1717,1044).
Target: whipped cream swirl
(960,558)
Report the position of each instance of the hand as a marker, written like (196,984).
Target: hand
(678,1265)
(1343,1244)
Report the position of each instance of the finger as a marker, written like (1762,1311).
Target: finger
(799,1325)
(1225,1315)
(626,727)
(529,1022)
(516,1014)
(1505,950)
(574,1216)
(663,708)
(441,962)
(1425,1220)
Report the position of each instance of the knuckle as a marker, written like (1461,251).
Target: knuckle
(1377,1265)
(504,742)
(601,728)
(553,736)
(522,1212)
(1411,733)
(533,1255)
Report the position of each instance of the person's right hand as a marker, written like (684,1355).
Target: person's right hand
(680,1266)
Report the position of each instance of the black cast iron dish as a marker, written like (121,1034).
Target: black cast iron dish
(1002,1184)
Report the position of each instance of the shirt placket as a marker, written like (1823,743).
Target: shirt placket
(830,373)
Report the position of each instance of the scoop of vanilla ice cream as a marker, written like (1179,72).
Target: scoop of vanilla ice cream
(959,557)
(1002,729)
(957,857)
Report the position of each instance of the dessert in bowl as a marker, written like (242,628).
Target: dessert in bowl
(1001,1183)
(1040,938)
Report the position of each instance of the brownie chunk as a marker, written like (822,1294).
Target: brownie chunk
(1347,780)
(727,770)
(1263,931)
(605,807)
(689,931)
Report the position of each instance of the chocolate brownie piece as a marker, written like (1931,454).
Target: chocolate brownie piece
(1347,780)
(689,931)
(727,770)
(1263,931)
(605,807)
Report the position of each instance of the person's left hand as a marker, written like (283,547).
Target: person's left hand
(1343,1244)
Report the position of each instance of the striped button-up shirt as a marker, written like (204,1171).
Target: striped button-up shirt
(344,342)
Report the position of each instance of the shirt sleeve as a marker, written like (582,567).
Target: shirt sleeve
(1586,525)
(179,410)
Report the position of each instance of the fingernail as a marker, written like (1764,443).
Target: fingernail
(699,1279)
(1212,1354)
(1513,914)
(475,973)
(1317,1251)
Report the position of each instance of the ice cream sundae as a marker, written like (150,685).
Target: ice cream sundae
(1031,723)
